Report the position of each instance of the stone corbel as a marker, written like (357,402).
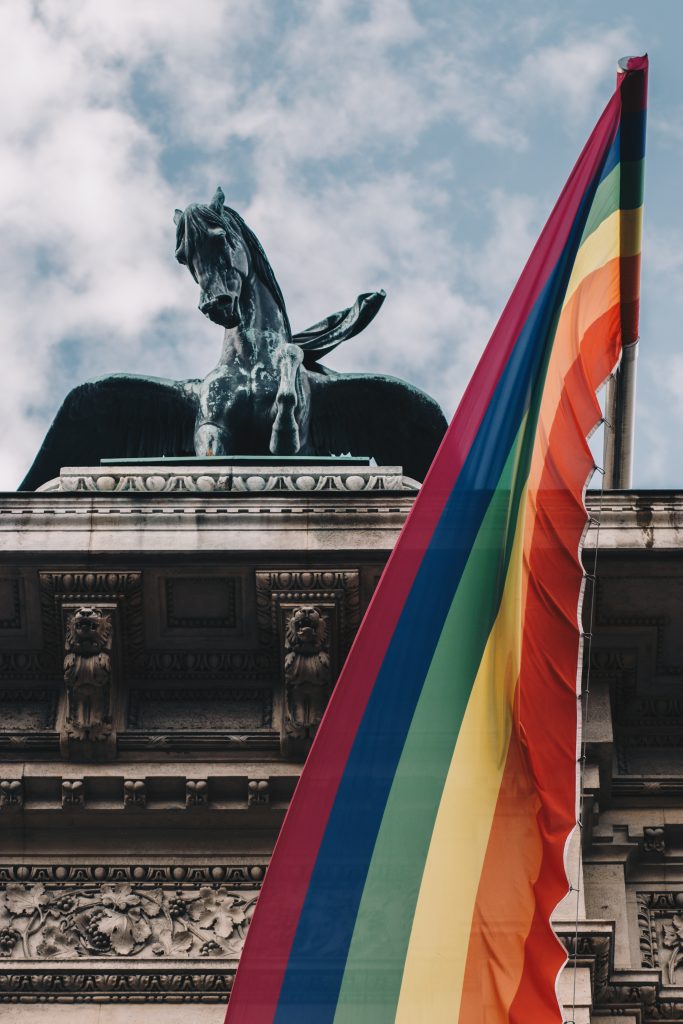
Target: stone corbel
(307,672)
(258,792)
(196,793)
(312,617)
(11,793)
(87,729)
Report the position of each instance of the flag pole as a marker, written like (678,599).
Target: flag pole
(620,422)
(620,407)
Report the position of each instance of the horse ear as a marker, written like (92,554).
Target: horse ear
(218,201)
(177,217)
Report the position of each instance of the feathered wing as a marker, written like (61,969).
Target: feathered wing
(116,417)
(394,422)
(321,338)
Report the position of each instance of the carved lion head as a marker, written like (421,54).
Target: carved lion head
(88,631)
(306,630)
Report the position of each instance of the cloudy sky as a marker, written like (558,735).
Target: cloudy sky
(406,144)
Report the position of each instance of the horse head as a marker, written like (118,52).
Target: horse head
(211,246)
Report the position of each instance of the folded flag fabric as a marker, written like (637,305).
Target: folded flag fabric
(423,852)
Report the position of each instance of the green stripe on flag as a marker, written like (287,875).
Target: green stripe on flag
(606,201)
(374,967)
(621,189)
(632,184)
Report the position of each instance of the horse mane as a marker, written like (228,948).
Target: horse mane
(199,217)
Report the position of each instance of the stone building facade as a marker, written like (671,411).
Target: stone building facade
(169,635)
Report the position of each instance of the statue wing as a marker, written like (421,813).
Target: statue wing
(394,422)
(321,338)
(116,417)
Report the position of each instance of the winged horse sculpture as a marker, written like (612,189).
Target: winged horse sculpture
(268,393)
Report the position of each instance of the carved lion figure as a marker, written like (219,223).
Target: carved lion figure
(307,667)
(87,672)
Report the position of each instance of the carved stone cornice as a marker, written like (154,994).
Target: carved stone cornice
(78,982)
(636,520)
(205,479)
(235,875)
(29,666)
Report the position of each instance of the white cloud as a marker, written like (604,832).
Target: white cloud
(331,102)
(570,74)
(516,222)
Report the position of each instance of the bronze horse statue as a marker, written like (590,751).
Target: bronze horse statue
(268,394)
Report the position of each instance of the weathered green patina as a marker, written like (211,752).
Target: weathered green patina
(268,393)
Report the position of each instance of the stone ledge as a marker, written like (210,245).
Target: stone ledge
(156,478)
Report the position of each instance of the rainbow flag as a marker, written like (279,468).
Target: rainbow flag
(422,855)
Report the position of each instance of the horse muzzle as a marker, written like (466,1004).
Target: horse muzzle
(222,309)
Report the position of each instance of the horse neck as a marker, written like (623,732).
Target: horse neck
(262,329)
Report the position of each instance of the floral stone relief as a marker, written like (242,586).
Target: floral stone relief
(71,921)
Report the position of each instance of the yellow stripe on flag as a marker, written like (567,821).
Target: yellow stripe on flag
(439,939)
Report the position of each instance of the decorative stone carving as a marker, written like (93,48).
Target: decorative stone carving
(313,614)
(237,876)
(654,840)
(341,587)
(660,921)
(591,950)
(11,793)
(53,922)
(207,741)
(258,791)
(134,793)
(307,670)
(72,792)
(255,479)
(120,590)
(119,985)
(196,793)
(88,732)
(23,665)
